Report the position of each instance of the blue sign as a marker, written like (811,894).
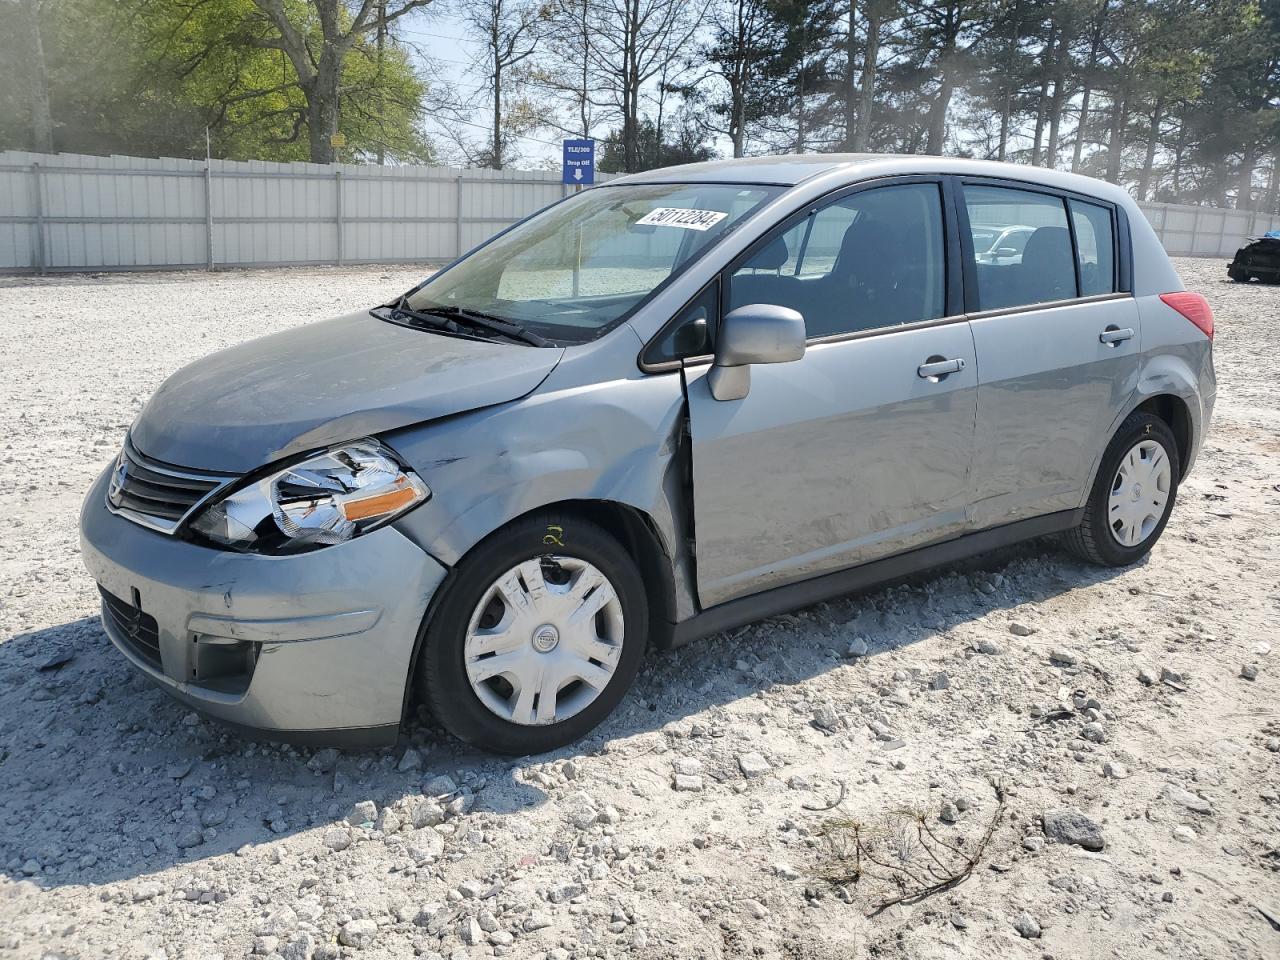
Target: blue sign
(579,162)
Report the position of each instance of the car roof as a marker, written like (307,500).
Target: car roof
(783,170)
(788,170)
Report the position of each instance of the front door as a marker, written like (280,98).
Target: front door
(1058,350)
(862,448)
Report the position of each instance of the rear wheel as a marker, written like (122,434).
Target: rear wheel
(1132,495)
(537,638)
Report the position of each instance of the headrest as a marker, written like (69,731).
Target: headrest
(773,256)
(870,243)
(1048,247)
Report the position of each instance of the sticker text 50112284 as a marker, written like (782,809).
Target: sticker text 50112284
(683,217)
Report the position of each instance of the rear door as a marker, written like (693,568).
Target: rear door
(860,449)
(1058,342)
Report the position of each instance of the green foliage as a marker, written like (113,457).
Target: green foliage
(148,76)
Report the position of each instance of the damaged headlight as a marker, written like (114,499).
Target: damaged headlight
(327,498)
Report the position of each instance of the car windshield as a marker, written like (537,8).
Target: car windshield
(574,271)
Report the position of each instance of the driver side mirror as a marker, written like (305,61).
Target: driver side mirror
(755,333)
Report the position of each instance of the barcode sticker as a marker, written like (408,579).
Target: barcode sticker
(681,217)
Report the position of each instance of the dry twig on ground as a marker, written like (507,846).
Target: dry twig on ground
(904,859)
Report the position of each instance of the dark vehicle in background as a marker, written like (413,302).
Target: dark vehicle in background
(1258,259)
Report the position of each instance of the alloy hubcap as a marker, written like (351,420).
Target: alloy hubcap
(1139,493)
(544,640)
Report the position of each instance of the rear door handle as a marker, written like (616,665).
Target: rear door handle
(1114,335)
(933,369)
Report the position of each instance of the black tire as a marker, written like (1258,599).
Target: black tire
(1093,540)
(1238,275)
(442,677)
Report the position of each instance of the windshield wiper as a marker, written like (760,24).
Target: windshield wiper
(509,328)
(399,311)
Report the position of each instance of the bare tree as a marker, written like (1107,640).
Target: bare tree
(317,54)
(627,45)
(742,68)
(509,31)
(563,68)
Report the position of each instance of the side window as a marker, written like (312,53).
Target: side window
(1021,245)
(689,334)
(1095,247)
(824,232)
(873,259)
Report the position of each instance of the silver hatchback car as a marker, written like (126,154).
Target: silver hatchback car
(658,409)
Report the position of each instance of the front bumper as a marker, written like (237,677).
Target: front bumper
(314,647)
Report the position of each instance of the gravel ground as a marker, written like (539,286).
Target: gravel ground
(1109,709)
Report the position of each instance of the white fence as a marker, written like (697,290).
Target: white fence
(1191,231)
(67,212)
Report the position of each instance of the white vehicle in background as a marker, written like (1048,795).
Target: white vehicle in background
(1007,246)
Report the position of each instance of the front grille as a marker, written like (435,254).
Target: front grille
(138,629)
(157,494)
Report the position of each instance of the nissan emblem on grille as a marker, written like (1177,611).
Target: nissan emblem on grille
(117,482)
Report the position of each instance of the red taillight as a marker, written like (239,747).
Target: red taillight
(1194,307)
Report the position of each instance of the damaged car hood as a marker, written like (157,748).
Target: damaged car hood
(325,383)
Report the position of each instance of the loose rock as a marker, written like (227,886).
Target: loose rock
(1073,827)
(1027,926)
(358,933)
(753,765)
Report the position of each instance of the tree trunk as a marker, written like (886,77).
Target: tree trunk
(583,91)
(1082,127)
(1042,101)
(738,78)
(1011,51)
(800,77)
(38,80)
(382,94)
(324,109)
(496,160)
(1153,141)
(1057,101)
(656,159)
(495,40)
(938,115)
(1244,191)
(1002,148)
(1037,141)
(1272,202)
(631,91)
(850,74)
(867,85)
(1178,150)
(1115,139)
(946,65)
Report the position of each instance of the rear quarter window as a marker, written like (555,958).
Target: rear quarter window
(1095,247)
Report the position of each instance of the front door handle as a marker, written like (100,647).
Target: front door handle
(937,367)
(1114,335)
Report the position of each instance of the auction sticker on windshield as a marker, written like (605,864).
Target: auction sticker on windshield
(682,217)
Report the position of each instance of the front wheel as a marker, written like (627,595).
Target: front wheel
(537,638)
(1132,495)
